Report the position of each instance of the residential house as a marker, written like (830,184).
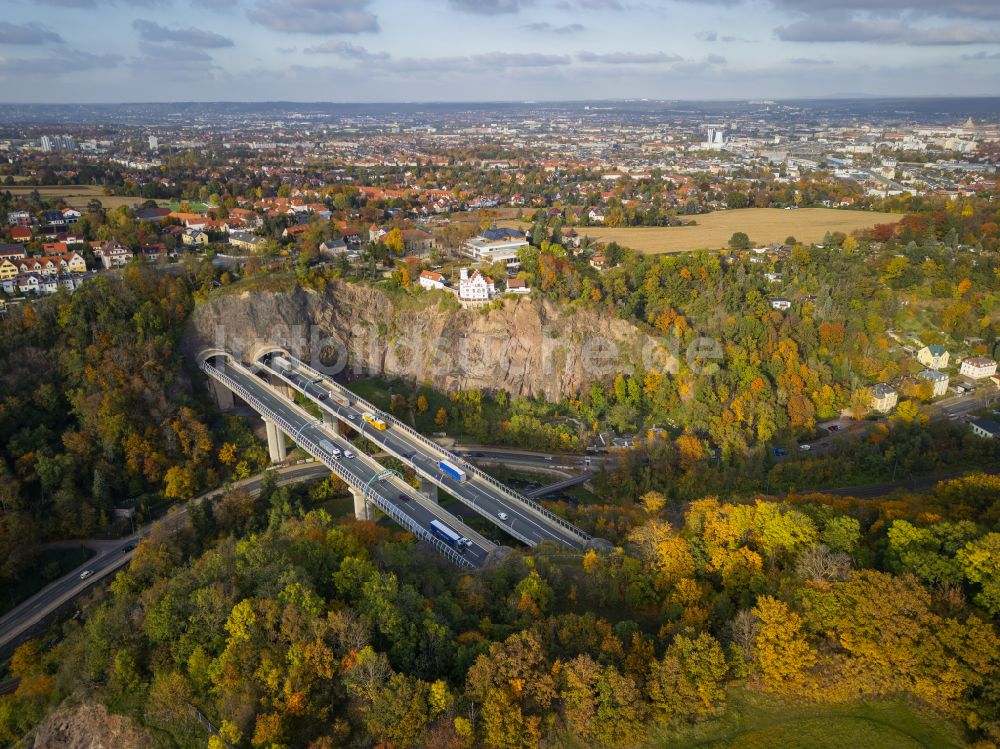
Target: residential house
(978,368)
(475,287)
(333,248)
(780,303)
(72,262)
(71,215)
(246,241)
(30,265)
(54,218)
(8,269)
(986,428)
(495,245)
(152,215)
(596,215)
(195,237)
(884,398)
(12,252)
(599,262)
(295,231)
(518,286)
(417,240)
(20,234)
(54,248)
(19,218)
(431,280)
(154,253)
(112,254)
(28,283)
(376,233)
(933,357)
(938,381)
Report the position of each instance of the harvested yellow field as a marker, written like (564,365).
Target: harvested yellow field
(76,196)
(763,225)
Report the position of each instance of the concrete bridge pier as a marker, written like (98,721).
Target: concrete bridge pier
(275,442)
(338,426)
(429,490)
(363,510)
(223,395)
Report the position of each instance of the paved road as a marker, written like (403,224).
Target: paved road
(317,437)
(522,521)
(113,556)
(871,491)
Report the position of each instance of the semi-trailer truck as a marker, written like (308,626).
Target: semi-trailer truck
(452,470)
(449,536)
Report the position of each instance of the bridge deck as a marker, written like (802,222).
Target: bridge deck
(360,472)
(526,520)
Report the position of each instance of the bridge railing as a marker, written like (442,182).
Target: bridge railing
(345,473)
(501,487)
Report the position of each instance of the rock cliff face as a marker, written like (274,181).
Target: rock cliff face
(87,726)
(530,347)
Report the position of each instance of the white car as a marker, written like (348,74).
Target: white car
(85,574)
(348,454)
(502,516)
(805,448)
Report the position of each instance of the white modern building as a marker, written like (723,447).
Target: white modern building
(495,245)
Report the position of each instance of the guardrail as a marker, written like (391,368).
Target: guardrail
(343,472)
(503,488)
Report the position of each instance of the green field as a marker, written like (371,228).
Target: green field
(755,721)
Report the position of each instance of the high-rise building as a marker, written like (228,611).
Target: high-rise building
(153,143)
(47,146)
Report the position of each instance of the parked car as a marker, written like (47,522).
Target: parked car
(834,427)
(779,452)
(805,448)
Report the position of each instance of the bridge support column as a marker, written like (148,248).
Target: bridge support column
(332,421)
(275,442)
(362,509)
(223,395)
(429,490)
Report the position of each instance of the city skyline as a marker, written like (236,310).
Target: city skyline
(494,50)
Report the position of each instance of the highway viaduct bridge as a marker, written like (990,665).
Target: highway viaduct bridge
(269,385)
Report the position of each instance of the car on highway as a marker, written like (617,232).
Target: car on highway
(403,498)
(85,574)
(805,447)
(127,548)
(834,428)
(322,396)
(348,454)
(502,516)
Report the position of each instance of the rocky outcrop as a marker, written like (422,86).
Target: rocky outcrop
(87,726)
(529,347)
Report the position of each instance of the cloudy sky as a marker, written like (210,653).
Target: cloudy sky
(488,50)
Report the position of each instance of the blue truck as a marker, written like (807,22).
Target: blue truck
(449,536)
(452,470)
